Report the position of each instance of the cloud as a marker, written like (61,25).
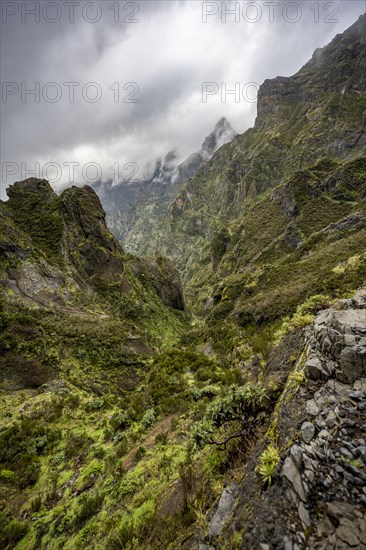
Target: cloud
(167,55)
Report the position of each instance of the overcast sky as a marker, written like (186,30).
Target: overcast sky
(167,50)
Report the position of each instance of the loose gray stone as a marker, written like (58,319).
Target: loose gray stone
(349,477)
(310,475)
(291,473)
(360,385)
(315,369)
(331,420)
(345,452)
(307,431)
(358,395)
(312,408)
(349,422)
(359,299)
(339,510)
(346,533)
(304,516)
(355,471)
(297,455)
(350,339)
(361,452)
(353,364)
(336,387)
(324,434)
(308,463)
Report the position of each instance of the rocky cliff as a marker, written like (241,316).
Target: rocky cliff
(320,477)
(127,425)
(134,209)
(57,255)
(66,235)
(328,71)
(261,197)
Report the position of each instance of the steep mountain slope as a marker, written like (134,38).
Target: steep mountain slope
(59,257)
(134,208)
(80,322)
(308,130)
(122,425)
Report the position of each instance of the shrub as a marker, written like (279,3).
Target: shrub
(207,391)
(75,444)
(89,506)
(36,503)
(313,304)
(20,447)
(95,404)
(132,528)
(73,401)
(149,418)
(141,451)
(120,420)
(262,343)
(11,531)
(167,383)
(214,463)
(7,475)
(121,448)
(240,403)
(162,438)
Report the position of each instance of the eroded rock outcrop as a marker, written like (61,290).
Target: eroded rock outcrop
(318,498)
(338,347)
(57,249)
(328,70)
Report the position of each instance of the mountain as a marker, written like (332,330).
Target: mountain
(227,412)
(271,195)
(58,257)
(134,209)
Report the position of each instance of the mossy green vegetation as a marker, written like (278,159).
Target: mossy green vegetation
(267,464)
(123,412)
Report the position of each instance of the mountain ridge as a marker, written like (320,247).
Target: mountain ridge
(126,204)
(127,422)
(289,135)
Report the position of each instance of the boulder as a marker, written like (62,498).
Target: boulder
(292,474)
(225,507)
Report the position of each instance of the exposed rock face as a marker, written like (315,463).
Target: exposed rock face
(163,277)
(223,512)
(21,191)
(328,71)
(339,345)
(56,247)
(318,498)
(269,186)
(135,208)
(89,236)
